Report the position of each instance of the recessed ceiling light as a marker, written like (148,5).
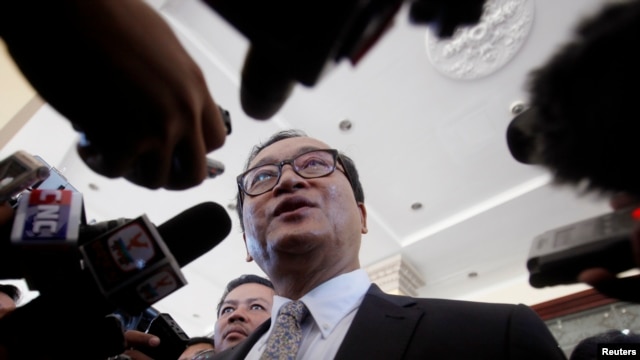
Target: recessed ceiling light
(472,275)
(345,125)
(517,107)
(416,206)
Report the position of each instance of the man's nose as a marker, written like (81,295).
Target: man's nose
(288,177)
(287,170)
(238,315)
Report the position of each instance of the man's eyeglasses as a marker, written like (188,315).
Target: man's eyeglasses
(309,165)
(205,355)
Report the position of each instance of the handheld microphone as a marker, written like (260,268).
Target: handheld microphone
(195,231)
(581,127)
(45,232)
(299,41)
(69,294)
(287,48)
(133,265)
(135,268)
(581,124)
(49,231)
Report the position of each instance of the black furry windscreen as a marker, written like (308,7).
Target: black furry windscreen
(586,100)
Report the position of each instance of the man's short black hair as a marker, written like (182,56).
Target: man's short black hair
(11,290)
(241,280)
(200,340)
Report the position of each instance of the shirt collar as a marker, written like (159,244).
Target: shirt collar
(332,300)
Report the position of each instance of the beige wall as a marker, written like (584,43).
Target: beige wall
(18,100)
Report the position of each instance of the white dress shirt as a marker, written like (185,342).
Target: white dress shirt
(332,307)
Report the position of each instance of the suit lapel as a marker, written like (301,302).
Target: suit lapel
(382,327)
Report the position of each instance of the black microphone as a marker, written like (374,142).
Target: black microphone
(73,299)
(174,231)
(445,16)
(299,42)
(134,264)
(207,220)
(582,124)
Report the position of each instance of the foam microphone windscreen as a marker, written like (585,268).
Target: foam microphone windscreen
(195,231)
(583,125)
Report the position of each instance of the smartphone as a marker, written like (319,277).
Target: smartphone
(559,255)
(173,340)
(18,172)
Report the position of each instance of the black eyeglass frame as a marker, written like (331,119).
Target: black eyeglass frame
(204,355)
(337,159)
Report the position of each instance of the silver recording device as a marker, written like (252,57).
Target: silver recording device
(559,255)
(18,172)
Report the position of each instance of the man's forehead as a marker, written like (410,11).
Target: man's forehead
(246,299)
(248,290)
(287,148)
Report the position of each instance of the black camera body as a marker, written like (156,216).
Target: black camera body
(173,340)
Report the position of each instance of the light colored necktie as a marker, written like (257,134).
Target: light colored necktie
(285,339)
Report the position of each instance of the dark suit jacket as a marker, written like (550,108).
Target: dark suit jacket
(400,327)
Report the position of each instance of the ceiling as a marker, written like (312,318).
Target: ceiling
(422,132)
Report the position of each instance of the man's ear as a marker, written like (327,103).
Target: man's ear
(363,218)
(249,258)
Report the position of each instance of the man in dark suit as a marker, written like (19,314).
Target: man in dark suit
(301,207)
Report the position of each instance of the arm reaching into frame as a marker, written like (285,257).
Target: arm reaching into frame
(117,72)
